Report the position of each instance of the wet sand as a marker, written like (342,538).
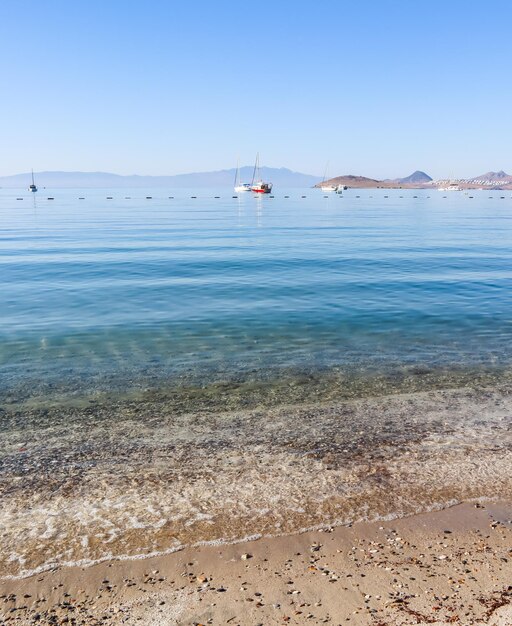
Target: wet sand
(447,567)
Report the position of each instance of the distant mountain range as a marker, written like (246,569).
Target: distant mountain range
(281,177)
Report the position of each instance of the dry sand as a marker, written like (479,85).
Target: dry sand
(447,567)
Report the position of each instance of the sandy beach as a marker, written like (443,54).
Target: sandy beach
(406,526)
(448,567)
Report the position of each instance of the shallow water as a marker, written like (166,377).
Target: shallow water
(127,292)
(155,355)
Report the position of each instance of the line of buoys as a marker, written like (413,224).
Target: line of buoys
(257,196)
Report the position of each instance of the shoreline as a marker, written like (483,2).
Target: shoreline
(448,566)
(320,528)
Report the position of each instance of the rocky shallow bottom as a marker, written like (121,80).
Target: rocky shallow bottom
(89,481)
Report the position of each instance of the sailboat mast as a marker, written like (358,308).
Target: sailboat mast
(325,172)
(32,176)
(237,174)
(256,167)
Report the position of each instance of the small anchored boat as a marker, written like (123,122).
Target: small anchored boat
(239,186)
(329,188)
(258,185)
(33,187)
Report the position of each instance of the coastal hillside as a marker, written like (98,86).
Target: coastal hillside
(280,177)
(417,179)
(500,177)
(351,181)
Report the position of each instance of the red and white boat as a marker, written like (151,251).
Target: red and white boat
(257,185)
(261,187)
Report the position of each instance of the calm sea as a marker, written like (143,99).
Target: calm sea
(187,366)
(117,289)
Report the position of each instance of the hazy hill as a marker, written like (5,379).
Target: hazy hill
(501,177)
(281,177)
(351,181)
(416,177)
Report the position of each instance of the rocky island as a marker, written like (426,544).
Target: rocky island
(419,180)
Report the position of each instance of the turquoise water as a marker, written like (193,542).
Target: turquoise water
(129,291)
(180,370)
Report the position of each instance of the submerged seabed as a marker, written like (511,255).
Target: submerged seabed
(124,476)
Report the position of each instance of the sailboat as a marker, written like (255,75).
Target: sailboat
(33,187)
(259,186)
(328,188)
(238,185)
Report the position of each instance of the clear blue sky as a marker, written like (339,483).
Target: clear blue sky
(378,88)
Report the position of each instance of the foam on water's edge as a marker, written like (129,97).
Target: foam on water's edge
(224,542)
